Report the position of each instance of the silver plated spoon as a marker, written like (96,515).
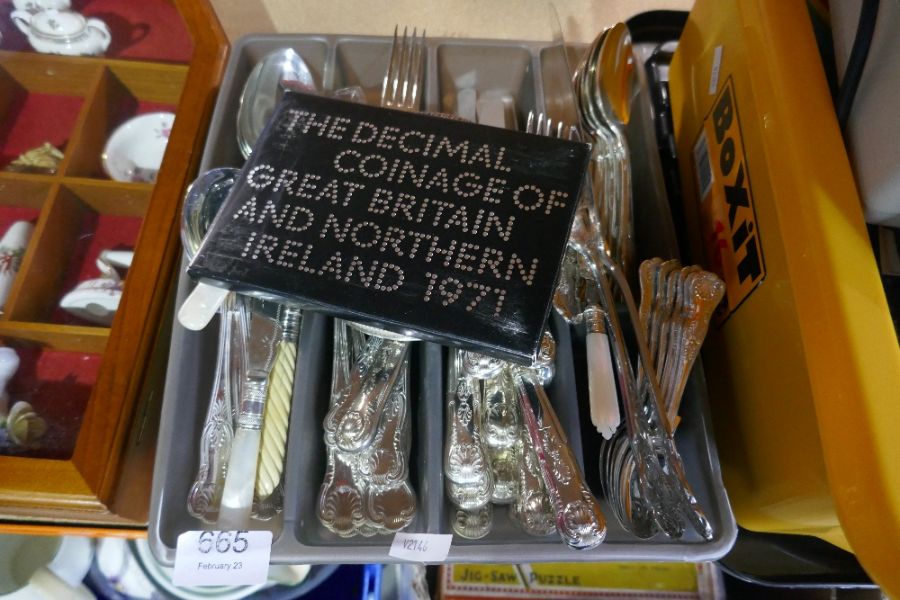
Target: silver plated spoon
(264,88)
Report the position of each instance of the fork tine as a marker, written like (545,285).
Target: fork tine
(385,86)
(406,69)
(418,58)
(396,70)
(539,123)
(400,73)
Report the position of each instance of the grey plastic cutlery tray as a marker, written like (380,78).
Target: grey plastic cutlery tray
(509,69)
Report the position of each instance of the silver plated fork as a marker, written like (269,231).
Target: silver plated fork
(403,79)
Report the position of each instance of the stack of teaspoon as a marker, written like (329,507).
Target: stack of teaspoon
(677,304)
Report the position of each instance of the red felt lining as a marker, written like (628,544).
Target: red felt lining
(98,233)
(11,214)
(58,385)
(32,119)
(140,29)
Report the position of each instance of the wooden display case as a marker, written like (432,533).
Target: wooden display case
(98,388)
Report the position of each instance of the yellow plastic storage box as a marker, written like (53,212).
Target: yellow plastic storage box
(803,363)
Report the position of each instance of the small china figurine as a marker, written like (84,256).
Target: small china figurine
(43,159)
(23,427)
(12,249)
(54,31)
(96,300)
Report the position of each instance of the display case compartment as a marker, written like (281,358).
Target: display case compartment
(78,212)
(75,225)
(39,102)
(121,92)
(57,384)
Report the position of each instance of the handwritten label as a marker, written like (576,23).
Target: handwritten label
(408,221)
(421,547)
(205,558)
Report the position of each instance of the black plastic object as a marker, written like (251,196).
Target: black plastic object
(795,561)
(657,26)
(415,223)
(857,61)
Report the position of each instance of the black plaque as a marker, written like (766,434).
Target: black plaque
(403,220)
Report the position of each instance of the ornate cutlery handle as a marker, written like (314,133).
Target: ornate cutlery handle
(531,510)
(278,405)
(340,505)
(467,471)
(579,519)
(390,503)
(237,494)
(604,400)
(218,429)
(385,462)
(502,424)
(353,423)
(465,458)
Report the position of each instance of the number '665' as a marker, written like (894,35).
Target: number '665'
(222,542)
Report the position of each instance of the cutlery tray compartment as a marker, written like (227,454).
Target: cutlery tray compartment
(509,77)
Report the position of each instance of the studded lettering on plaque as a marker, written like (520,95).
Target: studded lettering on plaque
(403,220)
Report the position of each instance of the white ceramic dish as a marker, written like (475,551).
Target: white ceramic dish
(131,570)
(47,567)
(135,150)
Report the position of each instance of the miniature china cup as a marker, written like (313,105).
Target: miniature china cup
(36,6)
(94,300)
(54,31)
(135,150)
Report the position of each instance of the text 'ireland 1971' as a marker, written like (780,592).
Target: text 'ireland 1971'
(416,212)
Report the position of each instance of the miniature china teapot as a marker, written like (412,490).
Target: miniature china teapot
(53,31)
(34,6)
